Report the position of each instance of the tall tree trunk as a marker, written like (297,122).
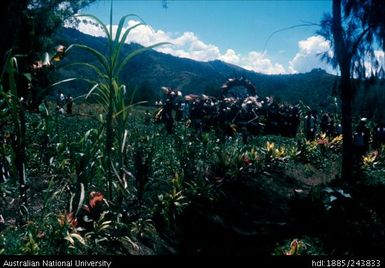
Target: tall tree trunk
(346,109)
(344,60)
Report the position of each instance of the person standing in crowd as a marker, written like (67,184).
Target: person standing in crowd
(361,139)
(147,117)
(310,126)
(379,136)
(168,106)
(325,123)
(294,120)
(69,102)
(180,105)
(60,101)
(338,130)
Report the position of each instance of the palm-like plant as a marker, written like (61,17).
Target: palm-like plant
(109,92)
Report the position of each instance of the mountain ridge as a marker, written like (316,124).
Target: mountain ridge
(152,69)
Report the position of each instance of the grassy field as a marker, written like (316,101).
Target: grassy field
(185,194)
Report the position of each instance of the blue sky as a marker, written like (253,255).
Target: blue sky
(232,31)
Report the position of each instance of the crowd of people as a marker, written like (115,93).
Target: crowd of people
(254,115)
(250,116)
(64,103)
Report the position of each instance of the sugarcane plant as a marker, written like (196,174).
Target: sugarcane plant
(13,120)
(108,90)
(12,111)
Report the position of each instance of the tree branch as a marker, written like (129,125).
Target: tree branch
(285,29)
(358,41)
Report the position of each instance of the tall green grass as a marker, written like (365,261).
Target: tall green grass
(109,91)
(14,111)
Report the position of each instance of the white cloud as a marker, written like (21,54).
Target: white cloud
(309,55)
(231,56)
(253,61)
(188,45)
(258,62)
(380,55)
(373,65)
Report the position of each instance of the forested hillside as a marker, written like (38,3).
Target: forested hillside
(151,70)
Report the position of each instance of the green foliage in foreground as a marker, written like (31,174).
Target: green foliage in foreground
(110,92)
(165,179)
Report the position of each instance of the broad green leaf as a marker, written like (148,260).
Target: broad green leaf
(119,45)
(129,107)
(133,54)
(43,91)
(91,90)
(102,59)
(81,198)
(91,66)
(120,27)
(78,237)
